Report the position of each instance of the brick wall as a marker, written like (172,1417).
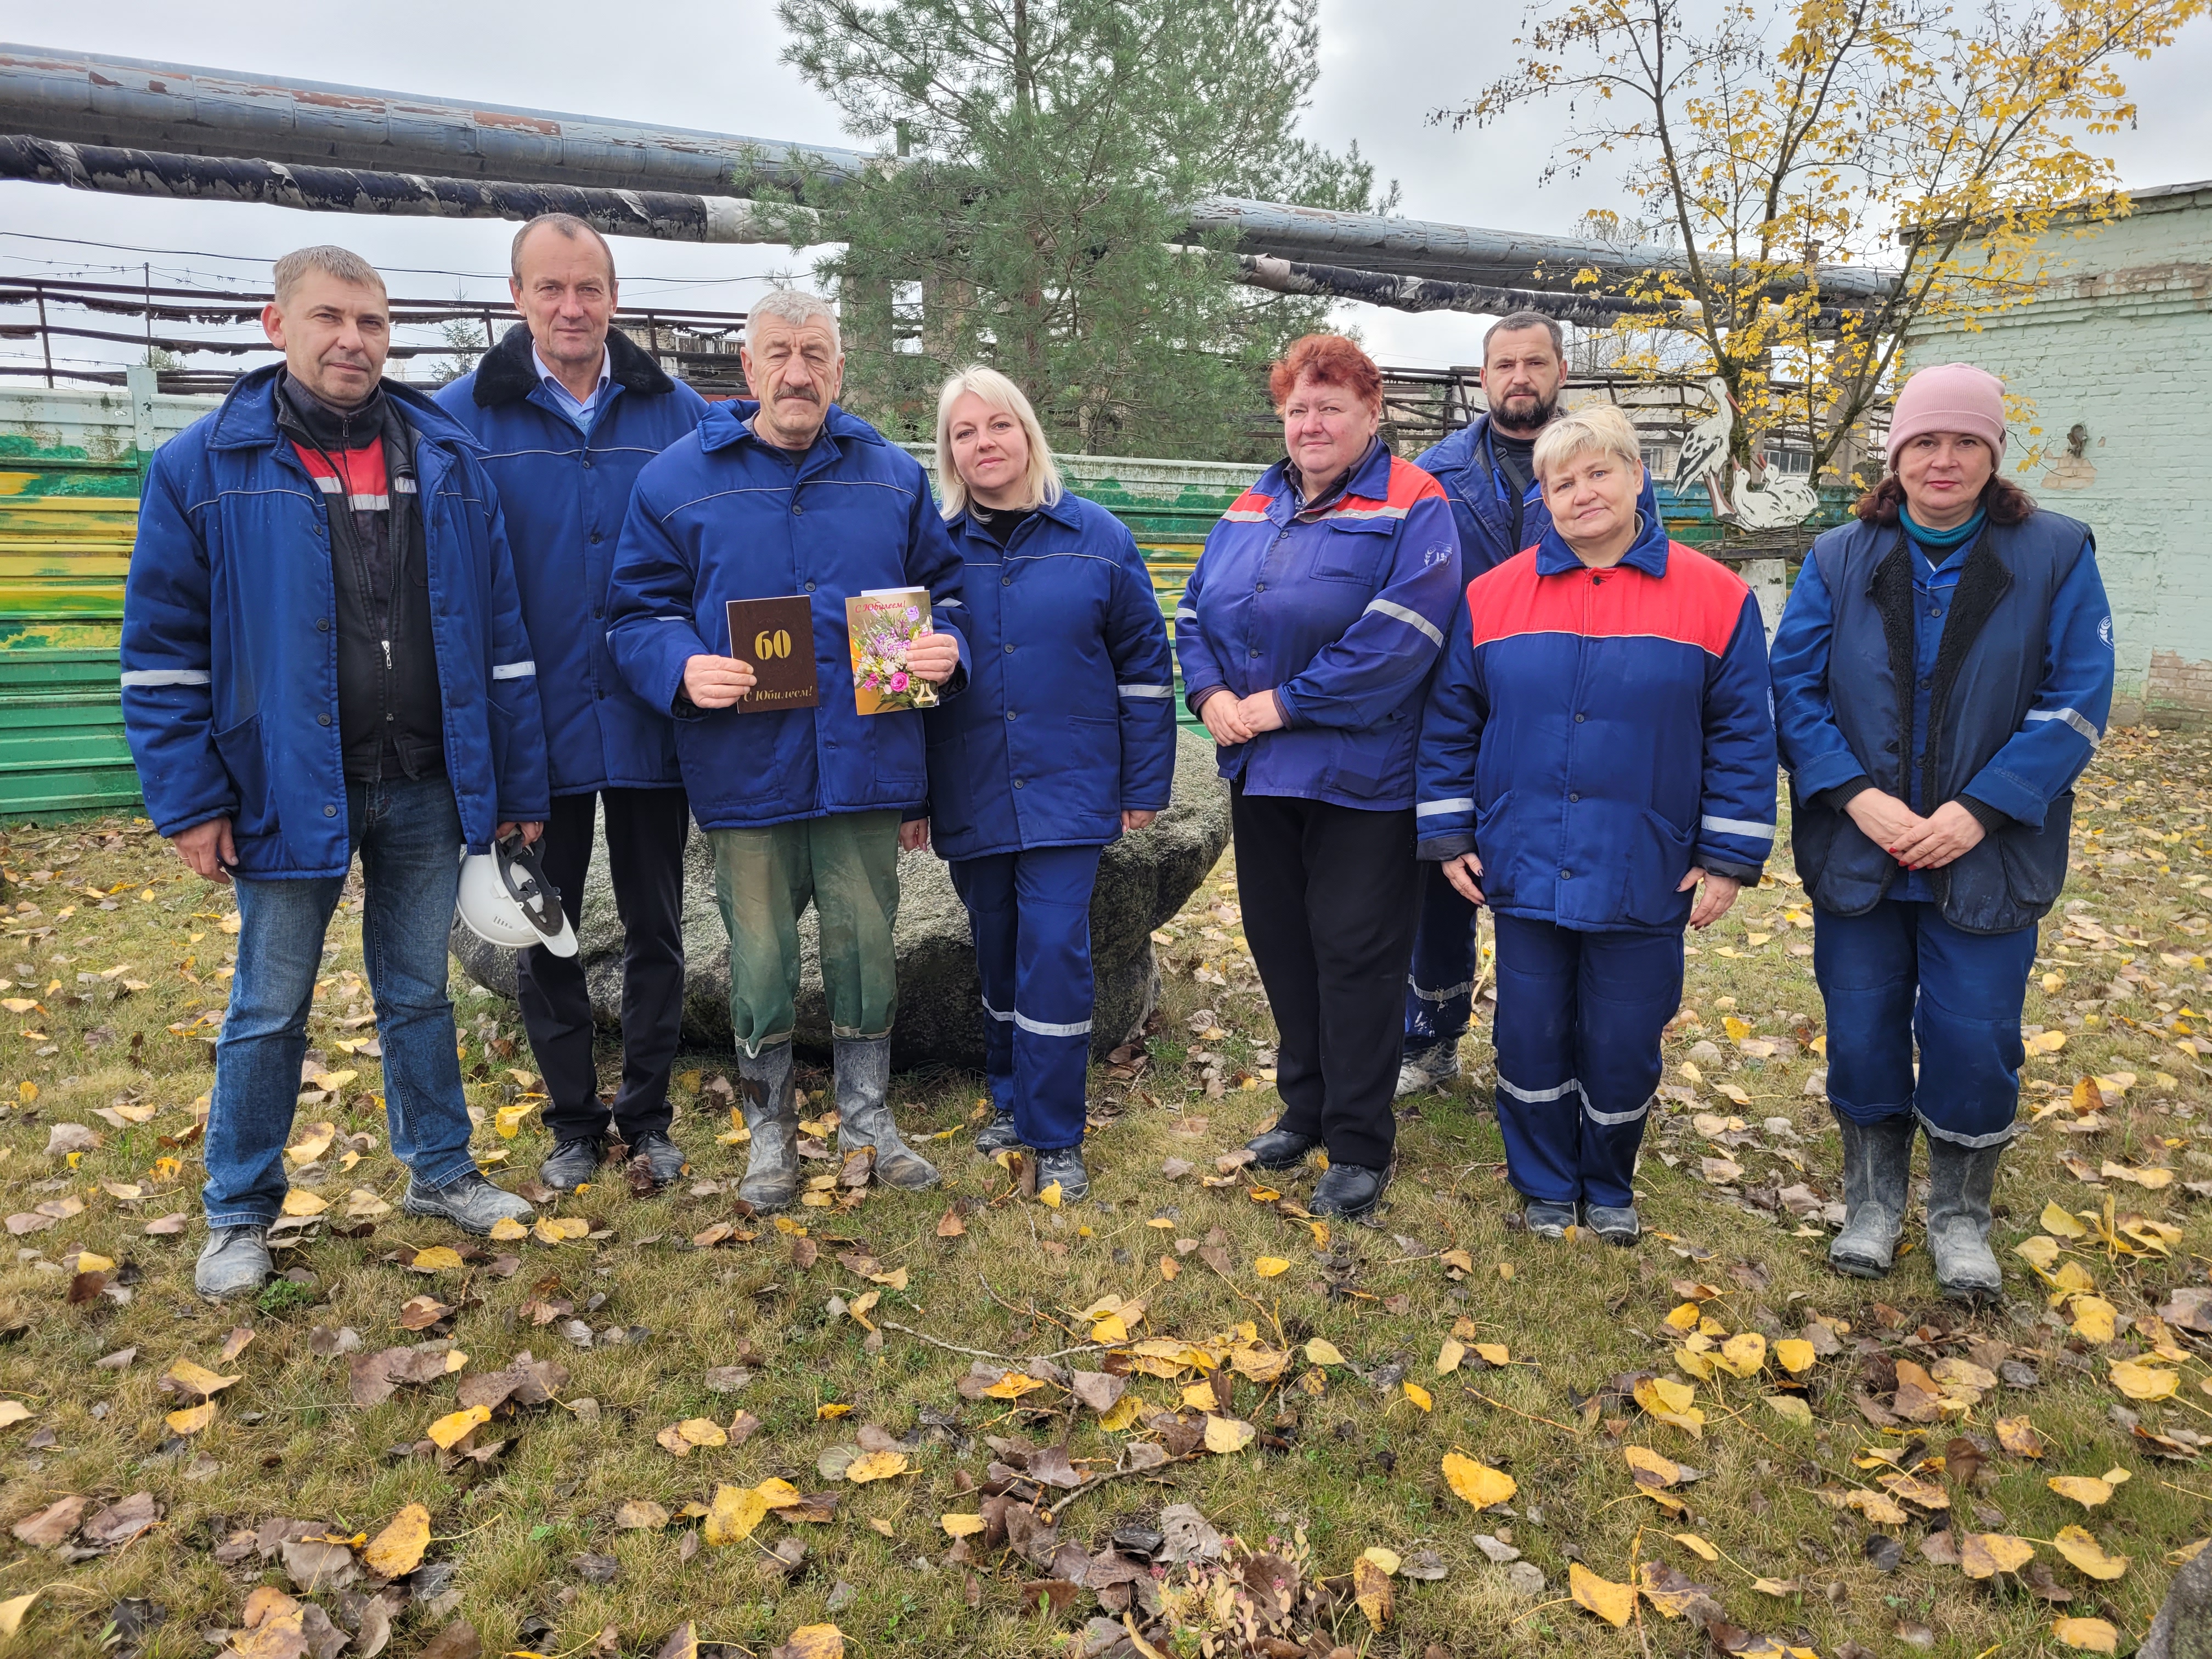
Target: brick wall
(2120,344)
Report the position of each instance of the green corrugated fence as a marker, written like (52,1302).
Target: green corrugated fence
(71,462)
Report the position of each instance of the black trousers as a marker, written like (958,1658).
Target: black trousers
(1330,894)
(646,832)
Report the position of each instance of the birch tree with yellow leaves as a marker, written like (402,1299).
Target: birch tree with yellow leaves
(1824,177)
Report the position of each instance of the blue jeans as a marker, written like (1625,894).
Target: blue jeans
(1579,1018)
(1030,915)
(1901,971)
(409,837)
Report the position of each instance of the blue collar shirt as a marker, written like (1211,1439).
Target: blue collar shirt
(583,410)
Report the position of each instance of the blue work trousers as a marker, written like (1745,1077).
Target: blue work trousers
(1579,1016)
(1030,915)
(1899,972)
(1440,988)
(408,834)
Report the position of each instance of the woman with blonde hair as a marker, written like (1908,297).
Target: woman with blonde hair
(1064,738)
(1597,746)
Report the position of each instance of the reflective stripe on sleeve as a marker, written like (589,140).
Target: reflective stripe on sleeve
(1429,809)
(1412,619)
(1146,691)
(1743,827)
(165,677)
(2072,717)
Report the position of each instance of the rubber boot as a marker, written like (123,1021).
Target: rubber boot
(863,1114)
(1960,1181)
(1877,1183)
(772,1114)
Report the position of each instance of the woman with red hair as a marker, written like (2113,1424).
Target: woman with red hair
(1306,638)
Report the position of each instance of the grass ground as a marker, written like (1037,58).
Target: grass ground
(116,960)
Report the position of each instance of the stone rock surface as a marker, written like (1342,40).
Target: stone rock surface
(1143,880)
(2183,1629)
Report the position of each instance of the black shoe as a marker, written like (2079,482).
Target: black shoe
(1280,1149)
(660,1156)
(572,1163)
(1064,1165)
(1349,1190)
(998,1134)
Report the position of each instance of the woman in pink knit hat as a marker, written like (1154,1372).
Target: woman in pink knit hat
(1942,673)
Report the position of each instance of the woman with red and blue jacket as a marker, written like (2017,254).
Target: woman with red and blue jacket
(1942,673)
(1307,636)
(1064,739)
(1596,744)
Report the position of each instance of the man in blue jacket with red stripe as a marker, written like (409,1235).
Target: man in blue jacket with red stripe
(322,653)
(569,412)
(1597,744)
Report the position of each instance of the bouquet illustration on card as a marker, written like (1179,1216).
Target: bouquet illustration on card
(881,622)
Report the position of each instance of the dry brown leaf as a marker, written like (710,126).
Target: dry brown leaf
(1370,1588)
(2018,1436)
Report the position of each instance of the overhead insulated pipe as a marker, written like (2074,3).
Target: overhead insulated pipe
(1423,293)
(96,100)
(663,216)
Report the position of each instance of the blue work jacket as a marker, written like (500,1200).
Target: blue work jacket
(564,493)
(2016,695)
(1068,720)
(1481,497)
(230,646)
(720,515)
(1340,612)
(1593,734)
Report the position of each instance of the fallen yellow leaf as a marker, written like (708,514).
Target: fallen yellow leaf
(1614,1603)
(1224,1434)
(398,1550)
(439,1258)
(1419,1395)
(1477,1483)
(1370,1591)
(191,1419)
(961,1526)
(734,1513)
(814,1642)
(1697,1546)
(1449,1356)
(456,1426)
(13,1610)
(2140,1382)
(875,1466)
(1320,1351)
(193,1378)
(1789,1406)
(1985,1554)
(1795,1354)
(2090,1635)
(506,1230)
(1269,1266)
(2078,1547)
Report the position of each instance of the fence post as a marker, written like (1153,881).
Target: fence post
(143,382)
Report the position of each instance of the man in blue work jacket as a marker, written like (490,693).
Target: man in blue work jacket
(569,412)
(1489,477)
(790,497)
(323,653)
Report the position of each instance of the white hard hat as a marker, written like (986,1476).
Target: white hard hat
(505,899)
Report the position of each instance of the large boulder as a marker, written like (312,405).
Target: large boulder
(1143,880)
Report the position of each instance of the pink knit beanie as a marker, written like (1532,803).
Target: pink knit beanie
(1950,397)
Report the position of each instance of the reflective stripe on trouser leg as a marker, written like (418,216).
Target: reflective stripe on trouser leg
(1539,1107)
(1440,988)
(1630,986)
(1972,986)
(986,886)
(1869,967)
(1052,993)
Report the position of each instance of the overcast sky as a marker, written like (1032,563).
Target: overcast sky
(717,66)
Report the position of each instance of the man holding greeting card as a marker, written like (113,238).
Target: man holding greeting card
(744,543)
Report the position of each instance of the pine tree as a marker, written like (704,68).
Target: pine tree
(1034,217)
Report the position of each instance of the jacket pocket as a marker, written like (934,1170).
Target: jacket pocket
(1347,555)
(1657,859)
(248,767)
(1494,850)
(1090,782)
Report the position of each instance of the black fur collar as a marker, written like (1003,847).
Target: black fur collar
(505,373)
